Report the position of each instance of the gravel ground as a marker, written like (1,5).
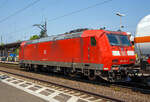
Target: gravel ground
(123,94)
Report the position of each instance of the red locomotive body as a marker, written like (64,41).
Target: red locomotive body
(93,53)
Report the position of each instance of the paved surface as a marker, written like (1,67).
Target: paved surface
(9,62)
(11,94)
(17,90)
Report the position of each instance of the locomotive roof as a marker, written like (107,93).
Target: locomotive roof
(56,37)
(85,33)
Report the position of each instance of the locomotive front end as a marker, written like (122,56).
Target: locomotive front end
(122,57)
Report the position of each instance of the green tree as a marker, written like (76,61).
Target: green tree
(16,51)
(34,37)
(1,44)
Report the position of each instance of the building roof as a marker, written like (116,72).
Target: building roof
(11,45)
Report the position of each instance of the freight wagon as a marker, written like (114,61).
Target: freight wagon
(142,42)
(93,53)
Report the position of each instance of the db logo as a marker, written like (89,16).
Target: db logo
(123,53)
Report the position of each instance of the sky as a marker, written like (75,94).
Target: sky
(17,17)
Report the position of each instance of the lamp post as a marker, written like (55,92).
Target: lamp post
(120,15)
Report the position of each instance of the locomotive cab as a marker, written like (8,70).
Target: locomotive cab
(112,52)
(119,56)
(122,51)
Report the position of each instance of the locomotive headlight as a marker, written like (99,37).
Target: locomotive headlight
(115,53)
(130,53)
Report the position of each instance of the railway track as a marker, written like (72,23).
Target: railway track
(66,91)
(77,88)
(135,86)
(73,91)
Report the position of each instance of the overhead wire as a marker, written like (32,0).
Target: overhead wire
(79,10)
(71,13)
(19,11)
(20,30)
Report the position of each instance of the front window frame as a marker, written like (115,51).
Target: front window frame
(117,40)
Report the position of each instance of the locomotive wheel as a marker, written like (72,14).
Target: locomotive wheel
(111,77)
(31,68)
(143,65)
(35,68)
(72,74)
(91,75)
(21,65)
(27,67)
(65,71)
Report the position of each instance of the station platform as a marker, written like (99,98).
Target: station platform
(17,90)
(10,94)
(9,62)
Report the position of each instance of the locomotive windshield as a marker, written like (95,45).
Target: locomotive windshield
(118,40)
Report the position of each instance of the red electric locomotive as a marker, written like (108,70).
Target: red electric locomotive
(107,54)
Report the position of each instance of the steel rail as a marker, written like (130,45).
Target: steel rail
(84,91)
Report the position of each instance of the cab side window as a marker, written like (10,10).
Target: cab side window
(93,41)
